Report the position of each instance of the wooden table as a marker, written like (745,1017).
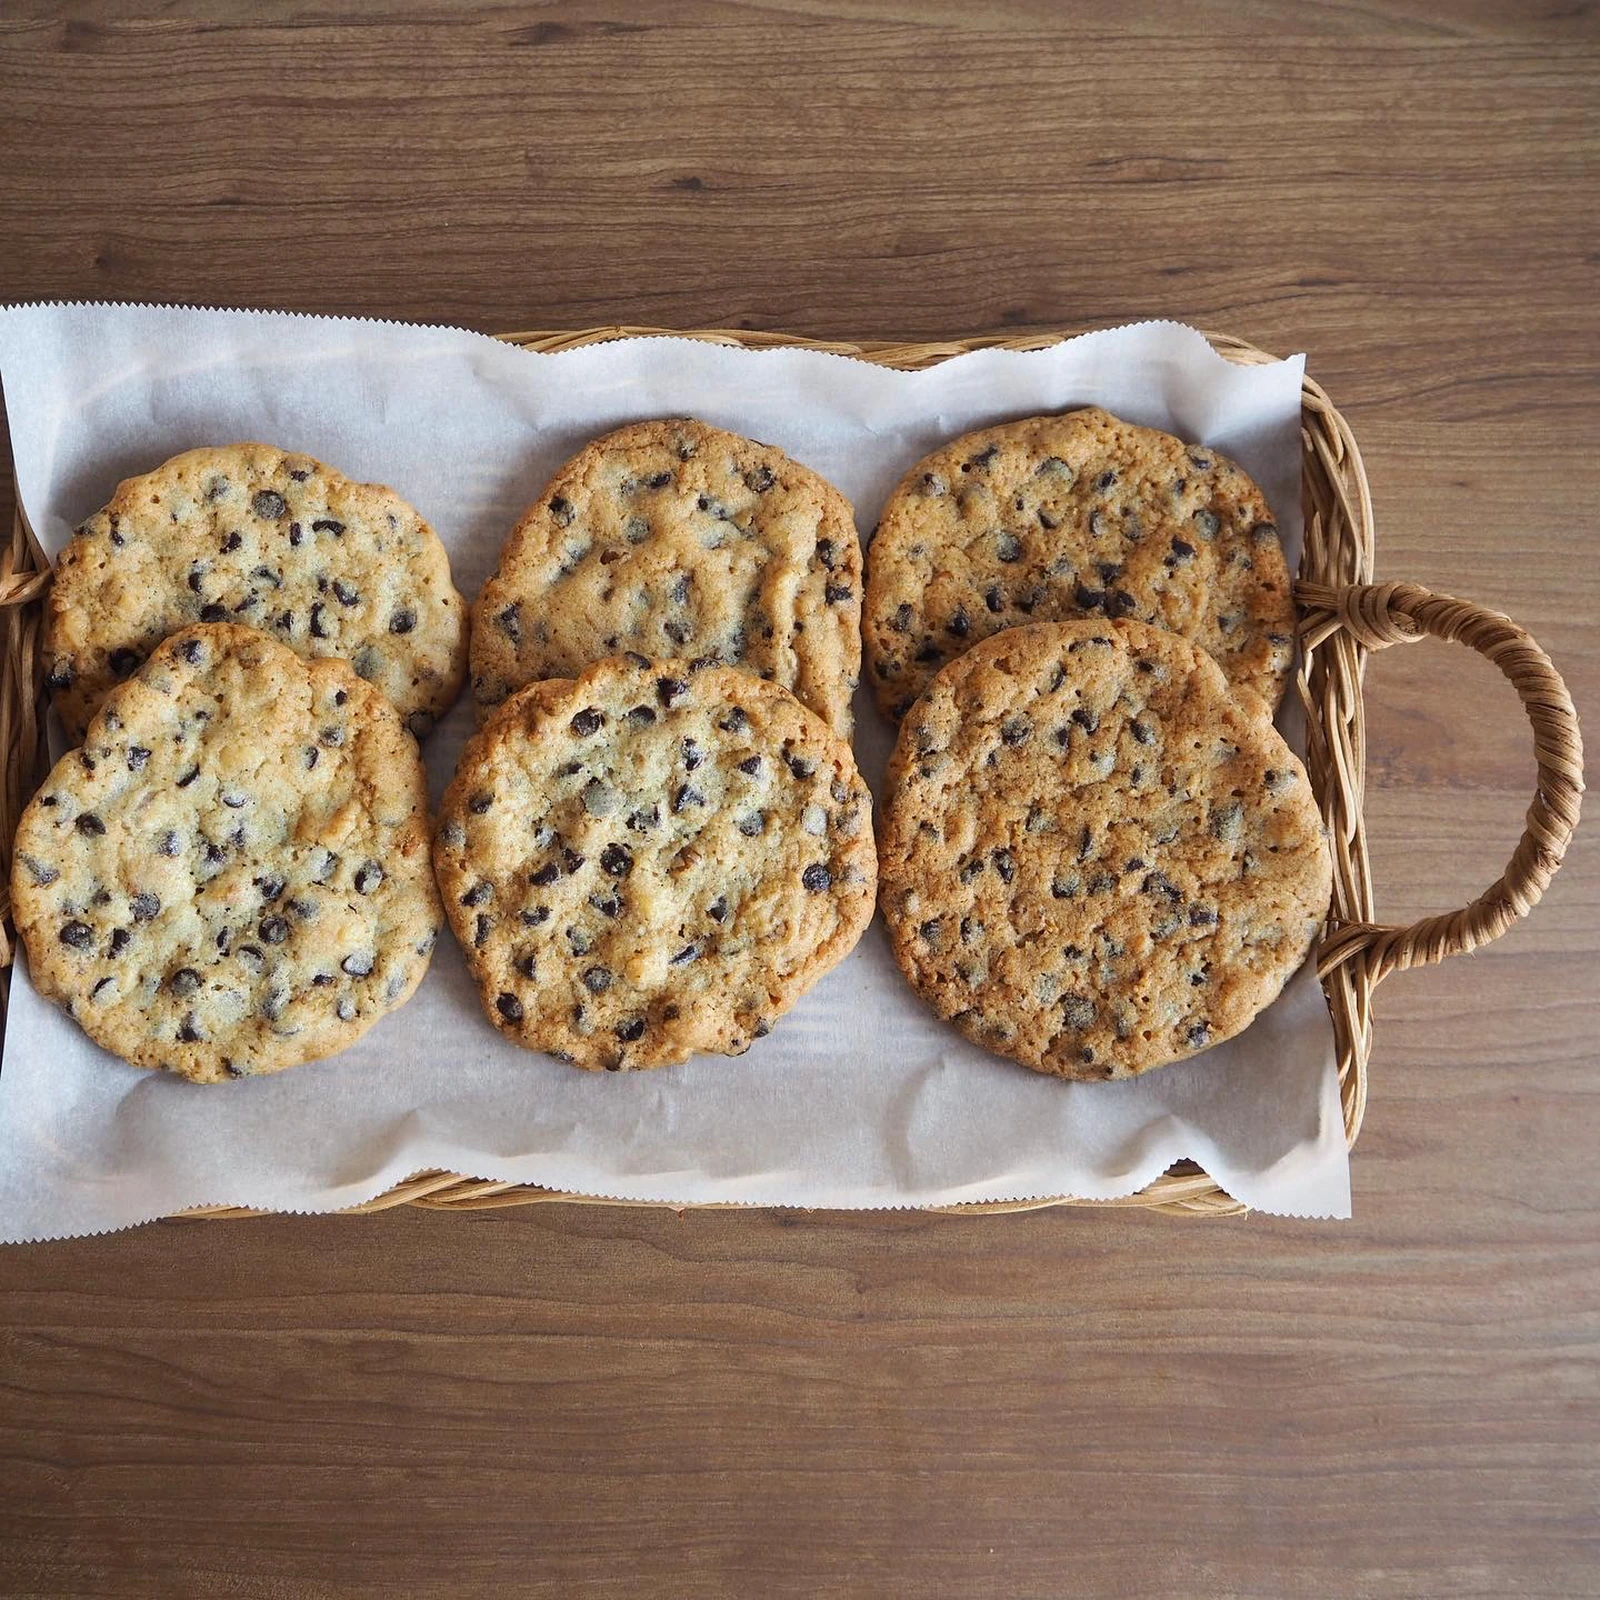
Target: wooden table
(636,1403)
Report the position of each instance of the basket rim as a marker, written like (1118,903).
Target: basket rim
(1339,551)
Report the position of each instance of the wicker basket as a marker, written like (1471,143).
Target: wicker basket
(1344,615)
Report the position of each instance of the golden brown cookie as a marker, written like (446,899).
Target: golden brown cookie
(678,540)
(249,534)
(651,860)
(231,876)
(1069,516)
(1095,857)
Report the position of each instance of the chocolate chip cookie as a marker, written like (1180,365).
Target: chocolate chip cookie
(654,859)
(1095,858)
(250,534)
(1071,516)
(675,539)
(231,876)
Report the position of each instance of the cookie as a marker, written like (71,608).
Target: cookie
(1070,516)
(678,540)
(654,859)
(250,534)
(232,875)
(1095,857)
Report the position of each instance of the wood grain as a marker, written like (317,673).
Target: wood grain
(621,1402)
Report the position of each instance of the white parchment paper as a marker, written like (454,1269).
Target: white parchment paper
(860,1097)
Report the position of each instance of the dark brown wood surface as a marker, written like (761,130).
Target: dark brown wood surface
(617,1402)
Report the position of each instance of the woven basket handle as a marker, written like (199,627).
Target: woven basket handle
(1377,615)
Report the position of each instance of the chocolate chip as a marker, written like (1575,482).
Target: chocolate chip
(1008,548)
(597,979)
(1182,549)
(669,690)
(994,598)
(77,935)
(571,860)
(509,1007)
(817,877)
(1089,599)
(1226,822)
(630,1030)
(827,553)
(690,952)
(641,716)
(718,909)
(213,613)
(1119,603)
(269,504)
(736,721)
(192,651)
(295,533)
(960,624)
(61,676)
(90,826)
(1206,524)
(588,721)
(1105,480)
(403,621)
(563,510)
(273,930)
(124,662)
(1016,730)
(357,966)
(760,479)
(1078,1012)
(318,631)
(752,825)
(1142,731)
(480,894)
(1202,917)
(608,905)
(544,876)
(751,765)
(537,916)
(1086,719)
(616,860)
(800,766)
(480,803)
(189,1030)
(929,931)
(332,736)
(642,821)
(983,458)
(1198,1036)
(509,621)
(327,525)
(346,593)
(837,593)
(144,906)
(37,870)
(345,1009)
(185,981)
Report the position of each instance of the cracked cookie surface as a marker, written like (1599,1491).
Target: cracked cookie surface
(250,534)
(651,860)
(231,876)
(1067,516)
(1095,858)
(674,539)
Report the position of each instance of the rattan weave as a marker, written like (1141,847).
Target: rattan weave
(1344,616)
